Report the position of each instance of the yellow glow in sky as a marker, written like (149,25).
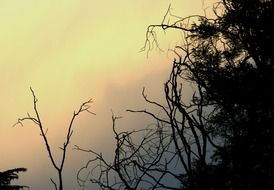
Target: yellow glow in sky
(69,51)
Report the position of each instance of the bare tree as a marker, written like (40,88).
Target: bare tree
(164,155)
(36,119)
(160,156)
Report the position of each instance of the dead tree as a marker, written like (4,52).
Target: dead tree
(36,119)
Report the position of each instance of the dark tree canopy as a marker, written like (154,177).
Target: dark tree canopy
(231,60)
(223,137)
(7,176)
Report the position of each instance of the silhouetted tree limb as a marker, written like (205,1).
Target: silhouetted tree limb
(85,107)
(180,23)
(172,142)
(128,155)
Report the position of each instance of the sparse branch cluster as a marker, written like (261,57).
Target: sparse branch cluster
(170,21)
(135,164)
(163,152)
(36,119)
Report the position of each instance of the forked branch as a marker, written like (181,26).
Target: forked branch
(36,119)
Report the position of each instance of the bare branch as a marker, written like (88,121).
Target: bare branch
(55,185)
(85,107)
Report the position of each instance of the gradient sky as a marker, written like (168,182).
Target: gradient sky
(69,51)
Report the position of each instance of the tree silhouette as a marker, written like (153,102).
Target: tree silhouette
(7,176)
(37,121)
(223,137)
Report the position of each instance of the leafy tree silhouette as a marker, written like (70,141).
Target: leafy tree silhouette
(7,176)
(223,137)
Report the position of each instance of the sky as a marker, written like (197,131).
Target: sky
(69,51)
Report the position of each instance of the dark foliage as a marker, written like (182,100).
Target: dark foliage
(7,176)
(231,60)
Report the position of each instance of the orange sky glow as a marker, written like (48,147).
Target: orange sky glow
(69,51)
